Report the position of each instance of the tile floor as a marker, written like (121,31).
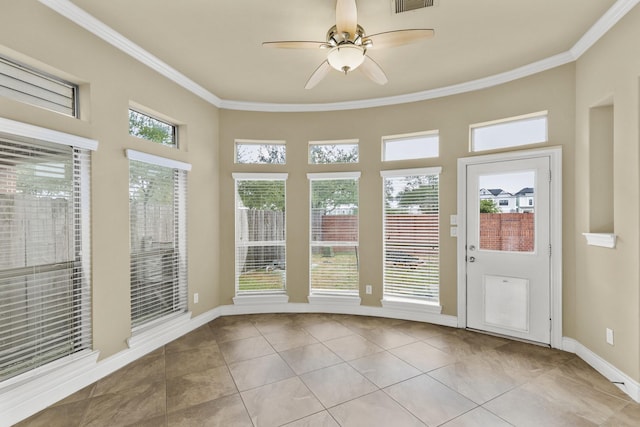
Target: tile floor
(338,370)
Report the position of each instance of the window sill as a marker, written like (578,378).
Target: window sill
(266,299)
(605,240)
(342,300)
(409,304)
(157,329)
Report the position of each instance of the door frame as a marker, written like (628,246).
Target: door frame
(555,228)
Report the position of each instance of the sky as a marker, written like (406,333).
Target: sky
(511,182)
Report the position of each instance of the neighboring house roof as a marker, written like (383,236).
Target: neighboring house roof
(496,192)
(524,191)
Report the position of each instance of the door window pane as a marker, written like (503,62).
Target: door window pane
(507,208)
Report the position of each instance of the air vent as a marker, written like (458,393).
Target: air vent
(408,5)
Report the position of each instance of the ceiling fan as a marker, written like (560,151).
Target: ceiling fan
(348,44)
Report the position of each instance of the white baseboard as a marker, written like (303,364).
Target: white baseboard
(624,382)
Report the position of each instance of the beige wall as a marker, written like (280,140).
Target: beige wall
(552,91)
(600,286)
(607,282)
(111,80)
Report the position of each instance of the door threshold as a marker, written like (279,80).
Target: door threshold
(493,334)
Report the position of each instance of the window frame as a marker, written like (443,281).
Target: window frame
(162,121)
(26,77)
(407,269)
(409,137)
(258,142)
(355,142)
(515,120)
(238,242)
(79,156)
(179,244)
(316,292)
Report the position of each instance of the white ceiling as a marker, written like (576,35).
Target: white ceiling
(217,43)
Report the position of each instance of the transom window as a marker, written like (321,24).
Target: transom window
(25,84)
(421,145)
(329,152)
(334,262)
(260,233)
(411,234)
(511,132)
(144,126)
(261,152)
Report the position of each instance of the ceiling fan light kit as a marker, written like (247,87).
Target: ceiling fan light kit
(348,45)
(346,57)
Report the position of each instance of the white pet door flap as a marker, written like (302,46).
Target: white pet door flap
(506,302)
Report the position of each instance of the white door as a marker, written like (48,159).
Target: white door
(508,248)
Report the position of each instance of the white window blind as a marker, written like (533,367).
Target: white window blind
(334,262)
(37,88)
(45,295)
(157,202)
(260,233)
(411,233)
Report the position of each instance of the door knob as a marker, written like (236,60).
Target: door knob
(472,259)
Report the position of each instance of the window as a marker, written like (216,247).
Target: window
(147,127)
(503,202)
(260,233)
(410,146)
(328,152)
(45,295)
(261,152)
(334,263)
(411,233)
(512,132)
(157,216)
(33,87)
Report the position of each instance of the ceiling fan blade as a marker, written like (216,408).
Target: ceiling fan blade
(294,45)
(319,74)
(397,38)
(347,17)
(372,70)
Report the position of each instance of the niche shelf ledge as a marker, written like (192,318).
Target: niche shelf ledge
(605,240)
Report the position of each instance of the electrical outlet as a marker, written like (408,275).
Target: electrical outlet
(453,231)
(609,336)
(368,289)
(196,298)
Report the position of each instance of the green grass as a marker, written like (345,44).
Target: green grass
(262,280)
(339,271)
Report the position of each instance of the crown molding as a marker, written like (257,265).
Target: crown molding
(77,15)
(114,38)
(602,26)
(470,86)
